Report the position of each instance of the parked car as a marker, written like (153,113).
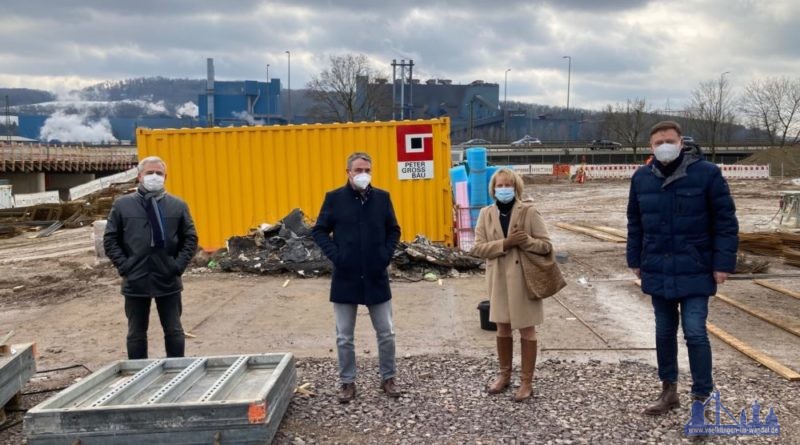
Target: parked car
(476,142)
(527,140)
(603,143)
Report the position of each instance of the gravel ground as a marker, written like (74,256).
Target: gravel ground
(445,403)
(574,403)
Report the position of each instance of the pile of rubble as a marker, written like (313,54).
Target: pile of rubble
(287,247)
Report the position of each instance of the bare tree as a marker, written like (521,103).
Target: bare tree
(343,91)
(711,111)
(773,104)
(626,122)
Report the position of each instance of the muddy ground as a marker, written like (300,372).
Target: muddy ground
(53,292)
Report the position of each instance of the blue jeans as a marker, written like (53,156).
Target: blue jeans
(693,314)
(381,316)
(137,309)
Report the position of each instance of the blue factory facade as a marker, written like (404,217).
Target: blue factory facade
(234,103)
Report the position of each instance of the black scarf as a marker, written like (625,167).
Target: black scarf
(158,237)
(505,214)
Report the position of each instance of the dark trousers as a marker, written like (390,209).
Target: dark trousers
(137,309)
(692,316)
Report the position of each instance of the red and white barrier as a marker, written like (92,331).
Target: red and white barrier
(610,171)
(625,171)
(745,171)
(533,169)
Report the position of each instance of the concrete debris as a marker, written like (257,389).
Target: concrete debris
(287,247)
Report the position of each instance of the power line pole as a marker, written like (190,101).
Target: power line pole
(403,79)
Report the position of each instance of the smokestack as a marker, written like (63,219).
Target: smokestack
(210,92)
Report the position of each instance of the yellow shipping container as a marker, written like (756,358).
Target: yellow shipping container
(236,178)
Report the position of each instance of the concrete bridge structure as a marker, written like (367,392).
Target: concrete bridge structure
(39,168)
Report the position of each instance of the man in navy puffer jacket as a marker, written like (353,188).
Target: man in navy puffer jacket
(682,241)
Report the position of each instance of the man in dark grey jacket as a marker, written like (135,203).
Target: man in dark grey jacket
(150,239)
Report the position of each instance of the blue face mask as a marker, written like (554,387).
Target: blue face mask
(504,194)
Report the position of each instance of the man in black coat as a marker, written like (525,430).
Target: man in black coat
(358,231)
(150,239)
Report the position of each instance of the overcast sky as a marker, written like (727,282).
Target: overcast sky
(659,50)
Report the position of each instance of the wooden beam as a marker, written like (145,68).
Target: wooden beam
(758,314)
(4,339)
(746,349)
(777,288)
(610,230)
(591,232)
(5,346)
(755,354)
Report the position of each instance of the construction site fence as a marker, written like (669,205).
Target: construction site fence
(625,171)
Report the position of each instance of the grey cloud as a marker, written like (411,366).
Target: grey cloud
(619,49)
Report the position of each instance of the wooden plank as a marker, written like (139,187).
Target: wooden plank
(749,351)
(591,232)
(755,354)
(4,339)
(5,346)
(777,288)
(611,230)
(758,314)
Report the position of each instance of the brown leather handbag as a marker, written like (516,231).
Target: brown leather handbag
(542,275)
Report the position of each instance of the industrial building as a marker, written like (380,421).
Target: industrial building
(236,103)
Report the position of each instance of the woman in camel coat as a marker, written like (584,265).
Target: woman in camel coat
(499,236)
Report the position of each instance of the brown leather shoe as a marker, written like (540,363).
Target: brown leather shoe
(390,388)
(505,353)
(666,401)
(529,351)
(347,392)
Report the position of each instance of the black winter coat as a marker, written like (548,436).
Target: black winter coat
(148,271)
(681,229)
(364,236)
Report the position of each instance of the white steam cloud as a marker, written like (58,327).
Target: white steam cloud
(247,117)
(189,109)
(76,128)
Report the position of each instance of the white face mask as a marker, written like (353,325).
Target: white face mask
(153,182)
(666,153)
(361,180)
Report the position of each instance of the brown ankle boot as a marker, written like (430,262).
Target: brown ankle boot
(666,401)
(525,391)
(505,352)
